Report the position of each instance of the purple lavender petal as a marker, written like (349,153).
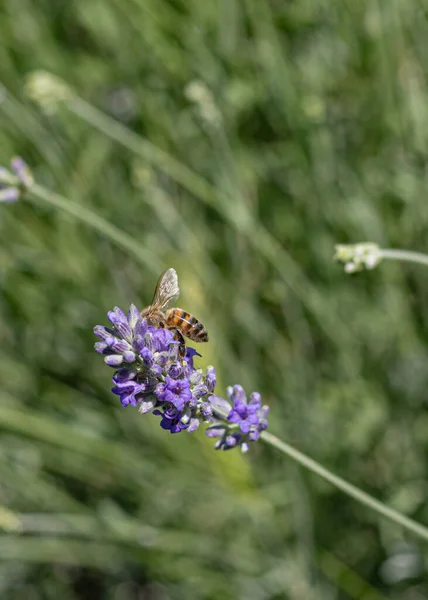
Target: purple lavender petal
(177,392)
(245,425)
(190,353)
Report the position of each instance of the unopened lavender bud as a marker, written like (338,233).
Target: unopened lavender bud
(196,377)
(133,316)
(118,318)
(253,435)
(119,346)
(193,425)
(174,370)
(129,356)
(199,391)
(210,378)
(215,431)
(206,410)
(255,398)
(146,406)
(161,358)
(101,347)
(114,360)
(186,415)
(103,332)
(147,357)
(231,441)
(140,328)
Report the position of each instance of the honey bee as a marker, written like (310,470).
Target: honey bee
(176,319)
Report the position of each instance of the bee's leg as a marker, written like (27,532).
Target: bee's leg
(182,347)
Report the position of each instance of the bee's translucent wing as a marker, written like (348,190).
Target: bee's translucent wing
(166,290)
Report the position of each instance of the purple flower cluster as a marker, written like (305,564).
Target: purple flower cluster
(11,192)
(152,376)
(245,419)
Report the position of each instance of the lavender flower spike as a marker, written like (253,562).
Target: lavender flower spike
(249,416)
(151,375)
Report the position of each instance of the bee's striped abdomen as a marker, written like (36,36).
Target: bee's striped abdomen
(187,324)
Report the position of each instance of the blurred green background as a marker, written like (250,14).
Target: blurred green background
(271,131)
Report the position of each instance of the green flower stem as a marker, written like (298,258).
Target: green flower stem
(339,483)
(81,213)
(346,487)
(404,255)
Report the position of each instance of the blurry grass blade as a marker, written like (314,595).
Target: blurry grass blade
(59,434)
(85,215)
(58,550)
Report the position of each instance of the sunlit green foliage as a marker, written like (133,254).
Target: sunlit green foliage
(272,131)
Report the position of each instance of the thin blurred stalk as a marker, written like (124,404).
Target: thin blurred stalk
(339,483)
(346,487)
(41,550)
(404,255)
(85,215)
(143,148)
